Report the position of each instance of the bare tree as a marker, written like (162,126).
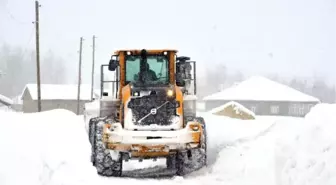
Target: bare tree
(19,68)
(53,69)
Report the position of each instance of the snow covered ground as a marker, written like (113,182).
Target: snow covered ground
(5,108)
(52,148)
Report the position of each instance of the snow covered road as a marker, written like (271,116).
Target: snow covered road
(52,148)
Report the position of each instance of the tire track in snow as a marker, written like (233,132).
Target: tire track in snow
(157,172)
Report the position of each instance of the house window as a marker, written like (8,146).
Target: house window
(275,109)
(297,109)
(253,109)
(293,109)
(301,109)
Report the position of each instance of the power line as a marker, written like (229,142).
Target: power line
(26,46)
(31,32)
(12,16)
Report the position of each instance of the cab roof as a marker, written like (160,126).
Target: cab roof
(150,51)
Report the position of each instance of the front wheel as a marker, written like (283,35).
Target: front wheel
(103,161)
(195,159)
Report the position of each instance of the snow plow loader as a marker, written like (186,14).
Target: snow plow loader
(148,112)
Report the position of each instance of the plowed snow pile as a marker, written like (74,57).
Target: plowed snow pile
(43,148)
(311,153)
(52,148)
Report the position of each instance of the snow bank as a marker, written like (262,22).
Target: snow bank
(225,131)
(252,159)
(311,155)
(44,148)
(52,148)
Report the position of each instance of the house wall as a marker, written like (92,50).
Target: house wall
(30,106)
(296,109)
(16,107)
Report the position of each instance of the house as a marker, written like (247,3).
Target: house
(264,97)
(55,96)
(233,110)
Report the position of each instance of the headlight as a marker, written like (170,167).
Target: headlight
(170,93)
(194,127)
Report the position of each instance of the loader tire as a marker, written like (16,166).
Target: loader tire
(103,161)
(193,160)
(92,127)
(170,161)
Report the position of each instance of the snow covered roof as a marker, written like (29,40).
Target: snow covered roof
(6,101)
(59,91)
(261,89)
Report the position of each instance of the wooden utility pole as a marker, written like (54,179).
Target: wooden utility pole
(93,64)
(79,74)
(38,55)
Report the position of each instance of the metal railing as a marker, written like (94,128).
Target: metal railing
(115,83)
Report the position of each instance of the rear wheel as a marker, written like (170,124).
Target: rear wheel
(195,159)
(101,157)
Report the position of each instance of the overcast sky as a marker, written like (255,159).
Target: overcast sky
(288,37)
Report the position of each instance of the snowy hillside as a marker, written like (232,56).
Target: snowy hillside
(52,148)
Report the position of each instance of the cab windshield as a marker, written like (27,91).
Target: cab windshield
(152,70)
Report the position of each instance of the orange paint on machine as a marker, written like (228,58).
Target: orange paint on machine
(147,112)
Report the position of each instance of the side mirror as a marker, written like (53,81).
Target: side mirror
(180,81)
(113,64)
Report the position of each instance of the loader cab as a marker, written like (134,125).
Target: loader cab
(137,72)
(153,68)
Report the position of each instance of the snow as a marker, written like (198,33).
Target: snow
(41,148)
(261,89)
(6,109)
(4,100)
(44,148)
(237,107)
(92,109)
(59,91)
(52,148)
(312,153)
